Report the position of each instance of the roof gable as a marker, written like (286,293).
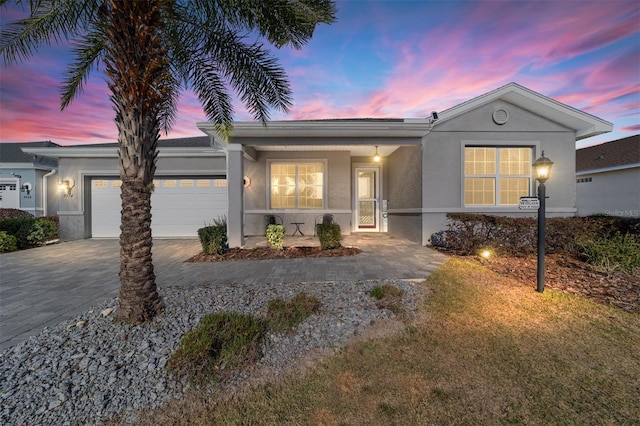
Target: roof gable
(621,152)
(585,125)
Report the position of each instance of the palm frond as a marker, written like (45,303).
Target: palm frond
(212,93)
(257,77)
(249,68)
(87,55)
(281,22)
(49,22)
(169,106)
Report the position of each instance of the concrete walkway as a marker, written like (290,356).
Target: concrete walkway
(44,286)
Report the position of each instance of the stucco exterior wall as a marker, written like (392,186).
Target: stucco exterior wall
(615,193)
(338,191)
(443,159)
(405,192)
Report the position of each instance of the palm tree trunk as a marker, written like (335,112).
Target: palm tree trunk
(137,70)
(139,300)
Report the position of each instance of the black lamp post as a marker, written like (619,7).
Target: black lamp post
(541,170)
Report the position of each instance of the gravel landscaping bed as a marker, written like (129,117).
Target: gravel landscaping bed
(85,370)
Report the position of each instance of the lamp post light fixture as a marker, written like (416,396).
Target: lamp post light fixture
(541,171)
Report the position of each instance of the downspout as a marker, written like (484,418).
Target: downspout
(45,190)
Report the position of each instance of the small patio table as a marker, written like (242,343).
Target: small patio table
(297,224)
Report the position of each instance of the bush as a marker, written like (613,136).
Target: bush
(567,234)
(329,235)
(41,231)
(380,292)
(213,238)
(221,342)
(56,221)
(14,214)
(12,226)
(275,236)
(285,315)
(30,232)
(388,297)
(616,252)
(468,232)
(7,242)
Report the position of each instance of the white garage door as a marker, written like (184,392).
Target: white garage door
(9,194)
(179,207)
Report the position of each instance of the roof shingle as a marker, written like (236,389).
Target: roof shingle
(610,154)
(12,152)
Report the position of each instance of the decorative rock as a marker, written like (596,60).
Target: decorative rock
(106,312)
(83,371)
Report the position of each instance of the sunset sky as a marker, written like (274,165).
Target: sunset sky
(387,59)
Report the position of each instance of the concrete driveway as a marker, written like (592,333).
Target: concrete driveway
(44,286)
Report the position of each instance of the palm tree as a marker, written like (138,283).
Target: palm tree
(149,50)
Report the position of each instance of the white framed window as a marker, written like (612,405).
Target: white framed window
(297,185)
(496,176)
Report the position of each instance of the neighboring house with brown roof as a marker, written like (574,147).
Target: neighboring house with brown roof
(608,178)
(24,178)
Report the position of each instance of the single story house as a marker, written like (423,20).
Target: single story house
(474,157)
(608,178)
(24,179)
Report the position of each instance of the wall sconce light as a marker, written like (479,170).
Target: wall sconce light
(26,188)
(246,182)
(376,156)
(66,186)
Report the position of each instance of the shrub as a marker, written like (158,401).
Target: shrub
(213,238)
(35,232)
(285,315)
(329,235)
(439,239)
(221,342)
(380,292)
(468,232)
(14,214)
(7,242)
(612,253)
(56,221)
(388,297)
(567,234)
(275,236)
(12,226)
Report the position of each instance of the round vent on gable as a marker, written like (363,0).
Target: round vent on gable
(500,116)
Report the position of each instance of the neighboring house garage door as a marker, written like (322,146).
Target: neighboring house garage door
(179,207)
(9,194)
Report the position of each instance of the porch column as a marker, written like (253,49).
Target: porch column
(235,198)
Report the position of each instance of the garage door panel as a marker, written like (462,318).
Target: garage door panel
(179,207)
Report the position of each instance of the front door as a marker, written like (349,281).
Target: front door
(367,191)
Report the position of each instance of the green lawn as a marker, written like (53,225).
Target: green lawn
(483,350)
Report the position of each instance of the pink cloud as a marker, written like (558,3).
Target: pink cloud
(473,52)
(582,55)
(623,22)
